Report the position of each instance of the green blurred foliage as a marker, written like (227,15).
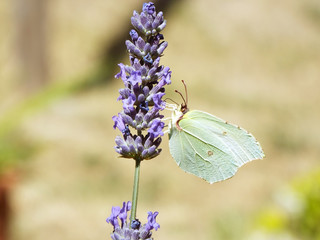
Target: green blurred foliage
(272,219)
(312,11)
(297,212)
(221,228)
(14,150)
(307,222)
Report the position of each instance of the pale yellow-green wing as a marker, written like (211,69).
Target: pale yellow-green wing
(211,148)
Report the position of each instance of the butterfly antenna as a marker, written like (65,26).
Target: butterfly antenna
(184,106)
(181,96)
(186,91)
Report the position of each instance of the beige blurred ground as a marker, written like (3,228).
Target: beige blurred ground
(253,63)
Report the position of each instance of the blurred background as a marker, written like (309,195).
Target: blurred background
(253,63)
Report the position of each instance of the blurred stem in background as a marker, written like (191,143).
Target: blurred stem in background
(7,181)
(31,45)
(13,150)
(4,206)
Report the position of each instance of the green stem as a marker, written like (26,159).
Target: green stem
(135,191)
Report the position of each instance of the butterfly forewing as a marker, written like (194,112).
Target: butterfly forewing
(236,140)
(210,148)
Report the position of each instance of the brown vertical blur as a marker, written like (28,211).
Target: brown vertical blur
(30,20)
(5,183)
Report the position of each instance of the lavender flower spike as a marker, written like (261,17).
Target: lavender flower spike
(134,232)
(144,81)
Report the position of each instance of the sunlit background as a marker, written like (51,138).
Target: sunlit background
(253,63)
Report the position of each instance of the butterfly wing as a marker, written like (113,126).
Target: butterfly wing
(211,148)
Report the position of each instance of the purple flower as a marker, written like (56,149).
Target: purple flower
(158,103)
(156,128)
(149,8)
(124,93)
(148,58)
(122,74)
(123,212)
(135,224)
(166,77)
(128,104)
(134,232)
(144,106)
(144,81)
(119,123)
(152,224)
(113,219)
(134,35)
(135,78)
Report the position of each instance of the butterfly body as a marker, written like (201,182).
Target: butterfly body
(209,147)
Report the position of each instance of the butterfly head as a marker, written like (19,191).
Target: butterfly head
(184,106)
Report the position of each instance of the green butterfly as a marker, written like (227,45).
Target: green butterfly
(209,147)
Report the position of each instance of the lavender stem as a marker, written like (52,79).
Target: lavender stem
(135,191)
